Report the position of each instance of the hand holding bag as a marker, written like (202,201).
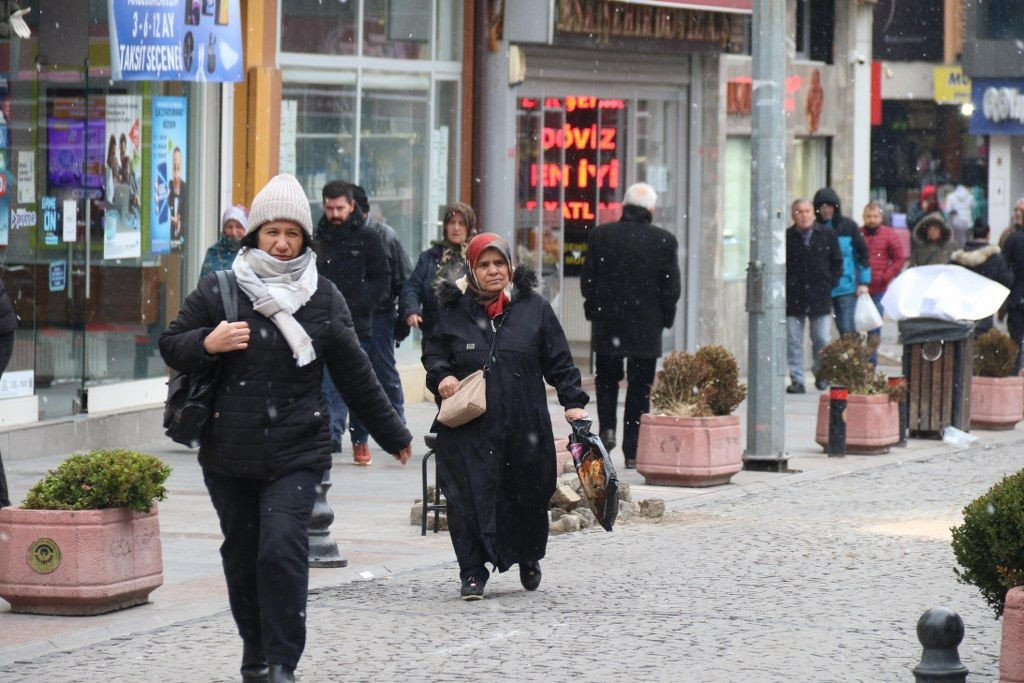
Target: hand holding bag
(470,401)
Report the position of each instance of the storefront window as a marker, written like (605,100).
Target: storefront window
(809,172)
(449,30)
(736,214)
(397,29)
(319,27)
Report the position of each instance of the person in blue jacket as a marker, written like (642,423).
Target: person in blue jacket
(221,254)
(856,269)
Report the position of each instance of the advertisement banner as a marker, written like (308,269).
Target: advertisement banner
(176,40)
(169,198)
(122,234)
(951,85)
(998,107)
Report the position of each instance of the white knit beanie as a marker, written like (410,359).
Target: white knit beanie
(281,199)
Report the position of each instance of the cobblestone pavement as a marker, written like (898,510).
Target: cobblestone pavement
(821,580)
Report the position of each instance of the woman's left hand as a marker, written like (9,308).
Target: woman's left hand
(574,414)
(403,455)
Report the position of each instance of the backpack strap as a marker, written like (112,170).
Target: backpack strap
(228,294)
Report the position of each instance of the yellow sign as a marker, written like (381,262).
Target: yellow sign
(951,85)
(44,555)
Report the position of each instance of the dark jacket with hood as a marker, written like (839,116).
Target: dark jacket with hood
(8,321)
(986,260)
(398,262)
(269,416)
(498,471)
(631,284)
(856,265)
(813,268)
(418,296)
(353,257)
(926,253)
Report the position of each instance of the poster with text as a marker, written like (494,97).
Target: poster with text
(169,203)
(122,234)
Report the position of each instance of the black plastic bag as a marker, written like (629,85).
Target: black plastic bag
(596,473)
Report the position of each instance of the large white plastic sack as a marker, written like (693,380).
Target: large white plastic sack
(944,292)
(865,315)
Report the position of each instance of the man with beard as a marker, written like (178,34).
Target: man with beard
(353,257)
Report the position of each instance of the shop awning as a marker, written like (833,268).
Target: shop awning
(734,6)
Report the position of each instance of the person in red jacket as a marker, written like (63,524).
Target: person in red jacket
(885,256)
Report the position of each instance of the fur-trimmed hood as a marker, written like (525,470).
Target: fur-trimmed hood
(934,218)
(972,258)
(524,283)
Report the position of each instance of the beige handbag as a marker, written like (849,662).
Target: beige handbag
(470,401)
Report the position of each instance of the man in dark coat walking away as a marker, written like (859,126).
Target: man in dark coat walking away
(8,324)
(986,260)
(856,273)
(1013,252)
(814,264)
(631,286)
(354,259)
(385,318)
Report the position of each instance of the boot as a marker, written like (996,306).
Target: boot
(279,673)
(254,662)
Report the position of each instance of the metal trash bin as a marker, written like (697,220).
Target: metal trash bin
(938,361)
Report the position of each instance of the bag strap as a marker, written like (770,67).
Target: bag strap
(494,340)
(228,294)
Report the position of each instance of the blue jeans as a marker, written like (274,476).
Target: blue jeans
(339,411)
(821,328)
(382,357)
(844,307)
(877,332)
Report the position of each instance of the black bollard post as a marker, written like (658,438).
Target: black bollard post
(898,382)
(323,552)
(940,631)
(837,422)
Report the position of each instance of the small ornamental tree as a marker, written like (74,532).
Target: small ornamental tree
(102,479)
(702,384)
(846,362)
(995,355)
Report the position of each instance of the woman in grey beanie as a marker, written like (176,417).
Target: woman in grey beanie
(267,443)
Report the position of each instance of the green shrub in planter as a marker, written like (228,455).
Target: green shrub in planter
(102,479)
(989,545)
(995,355)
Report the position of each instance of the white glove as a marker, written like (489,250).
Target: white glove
(18,24)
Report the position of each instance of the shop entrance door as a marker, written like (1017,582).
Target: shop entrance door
(576,153)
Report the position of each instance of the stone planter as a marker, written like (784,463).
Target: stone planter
(1011,653)
(80,562)
(872,424)
(689,451)
(997,402)
(562,455)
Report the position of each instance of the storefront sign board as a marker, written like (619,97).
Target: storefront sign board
(26,177)
(69,212)
(17,383)
(49,208)
(169,197)
(122,235)
(998,107)
(810,94)
(58,275)
(176,40)
(951,85)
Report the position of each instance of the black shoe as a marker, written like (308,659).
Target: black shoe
(630,463)
(820,384)
(472,589)
(335,446)
(796,388)
(529,574)
(279,673)
(608,439)
(254,662)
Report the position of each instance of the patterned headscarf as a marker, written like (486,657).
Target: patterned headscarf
(493,302)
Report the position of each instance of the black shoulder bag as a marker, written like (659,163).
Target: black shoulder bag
(190,395)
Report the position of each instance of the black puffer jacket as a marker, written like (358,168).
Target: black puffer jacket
(8,321)
(353,257)
(986,260)
(269,415)
(498,471)
(398,262)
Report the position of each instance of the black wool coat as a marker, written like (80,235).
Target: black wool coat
(498,471)
(812,271)
(353,257)
(1013,251)
(8,320)
(269,415)
(631,285)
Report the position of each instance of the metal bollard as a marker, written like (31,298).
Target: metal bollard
(940,630)
(837,421)
(896,382)
(323,552)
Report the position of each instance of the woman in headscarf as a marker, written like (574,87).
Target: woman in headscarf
(443,260)
(497,472)
(220,256)
(267,443)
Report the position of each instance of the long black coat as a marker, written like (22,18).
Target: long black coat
(630,284)
(1013,251)
(269,415)
(498,471)
(812,271)
(8,321)
(353,257)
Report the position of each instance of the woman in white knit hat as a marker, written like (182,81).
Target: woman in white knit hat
(267,443)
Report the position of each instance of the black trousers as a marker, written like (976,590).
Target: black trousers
(1015,326)
(609,372)
(6,349)
(266,557)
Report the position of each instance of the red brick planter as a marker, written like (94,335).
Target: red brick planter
(78,562)
(872,423)
(689,451)
(1011,653)
(562,455)
(997,402)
